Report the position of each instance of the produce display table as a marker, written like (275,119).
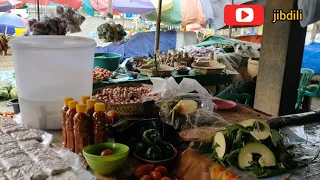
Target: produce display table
(204,80)
(236,115)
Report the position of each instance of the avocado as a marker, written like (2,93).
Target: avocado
(245,156)
(261,130)
(219,144)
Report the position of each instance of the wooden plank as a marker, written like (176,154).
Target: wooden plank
(280,62)
(241,113)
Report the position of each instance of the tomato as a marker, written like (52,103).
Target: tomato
(165,178)
(106,152)
(144,170)
(162,170)
(216,170)
(101,70)
(146,177)
(155,175)
(228,175)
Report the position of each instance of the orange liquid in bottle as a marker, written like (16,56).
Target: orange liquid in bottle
(64,110)
(69,124)
(99,124)
(81,128)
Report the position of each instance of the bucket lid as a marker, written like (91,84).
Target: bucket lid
(52,42)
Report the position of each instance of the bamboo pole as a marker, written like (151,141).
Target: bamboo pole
(230,28)
(38,9)
(157,35)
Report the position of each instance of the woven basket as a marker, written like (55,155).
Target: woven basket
(163,70)
(253,67)
(208,67)
(124,109)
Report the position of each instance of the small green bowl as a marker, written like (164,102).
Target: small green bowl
(105,165)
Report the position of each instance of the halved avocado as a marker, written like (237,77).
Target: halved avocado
(186,107)
(245,157)
(261,130)
(220,144)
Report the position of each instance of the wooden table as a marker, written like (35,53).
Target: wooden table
(237,115)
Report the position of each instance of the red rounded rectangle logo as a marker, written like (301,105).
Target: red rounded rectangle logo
(244,15)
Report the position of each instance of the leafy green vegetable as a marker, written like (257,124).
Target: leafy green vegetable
(5,86)
(14,93)
(4,94)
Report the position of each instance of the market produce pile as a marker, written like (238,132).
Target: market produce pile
(7,91)
(253,146)
(111,32)
(101,74)
(201,51)
(4,46)
(66,20)
(123,94)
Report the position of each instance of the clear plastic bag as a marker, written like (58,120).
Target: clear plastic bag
(199,124)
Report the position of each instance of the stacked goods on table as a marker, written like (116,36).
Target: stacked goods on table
(209,67)
(125,99)
(201,53)
(22,156)
(84,124)
(101,74)
(175,58)
(253,146)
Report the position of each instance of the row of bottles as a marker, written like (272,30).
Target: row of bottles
(83,124)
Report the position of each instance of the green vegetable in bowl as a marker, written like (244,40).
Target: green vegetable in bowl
(14,93)
(4,94)
(167,149)
(141,149)
(151,137)
(154,153)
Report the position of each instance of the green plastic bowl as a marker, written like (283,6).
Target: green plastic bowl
(105,165)
(107,61)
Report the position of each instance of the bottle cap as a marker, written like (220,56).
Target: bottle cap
(72,104)
(91,102)
(66,100)
(99,107)
(83,99)
(81,108)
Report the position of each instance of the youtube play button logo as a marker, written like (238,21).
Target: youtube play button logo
(244,15)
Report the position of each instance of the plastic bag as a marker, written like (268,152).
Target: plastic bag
(198,125)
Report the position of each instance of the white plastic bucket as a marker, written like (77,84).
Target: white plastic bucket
(49,68)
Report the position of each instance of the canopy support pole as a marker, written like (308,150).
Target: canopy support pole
(279,72)
(38,9)
(157,35)
(230,28)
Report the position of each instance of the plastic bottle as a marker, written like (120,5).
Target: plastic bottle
(99,123)
(69,124)
(90,111)
(90,107)
(81,128)
(84,99)
(64,110)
